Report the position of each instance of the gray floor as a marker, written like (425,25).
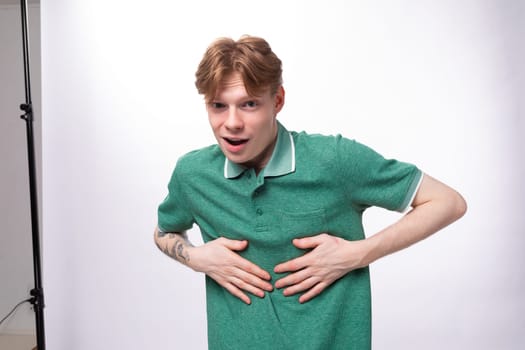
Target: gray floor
(17,342)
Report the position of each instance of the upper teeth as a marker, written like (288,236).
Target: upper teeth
(235,141)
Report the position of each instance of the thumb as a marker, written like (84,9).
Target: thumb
(307,242)
(233,244)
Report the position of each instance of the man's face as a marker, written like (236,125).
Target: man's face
(245,126)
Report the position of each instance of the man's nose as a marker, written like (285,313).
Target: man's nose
(234,120)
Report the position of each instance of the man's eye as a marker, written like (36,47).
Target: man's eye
(217,105)
(250,104)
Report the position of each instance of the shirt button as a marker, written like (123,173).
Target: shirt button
(256,193)
(259,211)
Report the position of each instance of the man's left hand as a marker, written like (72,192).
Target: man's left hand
(330,258)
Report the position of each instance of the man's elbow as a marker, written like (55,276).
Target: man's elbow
(459,205)
(156,237)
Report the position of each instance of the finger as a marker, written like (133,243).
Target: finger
(292,265)
(240,262)
(251,268)
(292,279)
(301,287)
(250,288)
(308,242)
(237,293)
(253,280)
(313,292)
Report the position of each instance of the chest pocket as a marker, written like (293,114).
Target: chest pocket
(303,224)
(288,225)
(272,243)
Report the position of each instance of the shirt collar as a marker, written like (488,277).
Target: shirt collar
(281,163)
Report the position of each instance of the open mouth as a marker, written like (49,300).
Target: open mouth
(235,142)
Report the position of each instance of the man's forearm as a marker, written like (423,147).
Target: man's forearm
(174,245)
(436,206)
(417,225)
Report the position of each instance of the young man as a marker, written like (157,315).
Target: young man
(285,256)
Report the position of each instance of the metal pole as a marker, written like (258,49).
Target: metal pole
(37,293)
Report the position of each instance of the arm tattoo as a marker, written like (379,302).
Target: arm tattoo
(178,249)
(161,234)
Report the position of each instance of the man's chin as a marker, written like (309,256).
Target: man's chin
(236,159)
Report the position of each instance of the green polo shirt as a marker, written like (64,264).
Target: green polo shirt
(312,184)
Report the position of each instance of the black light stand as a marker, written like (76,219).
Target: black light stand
(37,293)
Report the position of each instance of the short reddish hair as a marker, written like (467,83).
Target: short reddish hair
(249,56)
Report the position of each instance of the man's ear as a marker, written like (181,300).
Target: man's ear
(279,99)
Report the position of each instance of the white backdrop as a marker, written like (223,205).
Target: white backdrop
(436,83)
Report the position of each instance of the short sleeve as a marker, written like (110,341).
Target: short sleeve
(173,215)
(372,180)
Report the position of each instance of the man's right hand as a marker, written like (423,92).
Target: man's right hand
(218,259)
